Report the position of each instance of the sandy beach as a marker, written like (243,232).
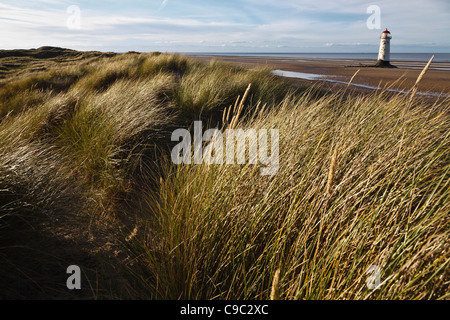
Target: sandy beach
(337,73)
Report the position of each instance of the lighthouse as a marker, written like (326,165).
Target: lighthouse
(385,50)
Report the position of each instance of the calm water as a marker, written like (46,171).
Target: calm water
(313,76)
(438,57)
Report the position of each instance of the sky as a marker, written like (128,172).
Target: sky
(226,26)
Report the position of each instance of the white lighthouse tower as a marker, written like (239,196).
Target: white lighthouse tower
(385,46)
(384,54)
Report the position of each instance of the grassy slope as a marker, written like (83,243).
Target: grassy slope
(84,179)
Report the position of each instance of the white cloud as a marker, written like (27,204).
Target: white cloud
(249,23)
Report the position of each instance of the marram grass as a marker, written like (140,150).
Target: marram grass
(380,198)
(86,177)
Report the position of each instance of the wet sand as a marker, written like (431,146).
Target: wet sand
(339,72)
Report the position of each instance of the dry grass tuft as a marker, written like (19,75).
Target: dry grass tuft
(331,172)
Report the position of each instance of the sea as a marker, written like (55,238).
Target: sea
(421,57)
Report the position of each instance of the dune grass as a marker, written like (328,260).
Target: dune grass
(361,182)
(85,178)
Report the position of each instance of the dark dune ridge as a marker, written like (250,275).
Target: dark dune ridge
(40,59)
(48,52)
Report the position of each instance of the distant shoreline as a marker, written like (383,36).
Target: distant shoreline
(333,72)
(420,57)
(337,72)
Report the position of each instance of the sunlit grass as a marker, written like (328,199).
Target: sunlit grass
(223,231)
(84,157)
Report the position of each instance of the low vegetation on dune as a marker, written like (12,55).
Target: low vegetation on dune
(86,179)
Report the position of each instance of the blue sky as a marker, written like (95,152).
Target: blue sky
(224,26)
